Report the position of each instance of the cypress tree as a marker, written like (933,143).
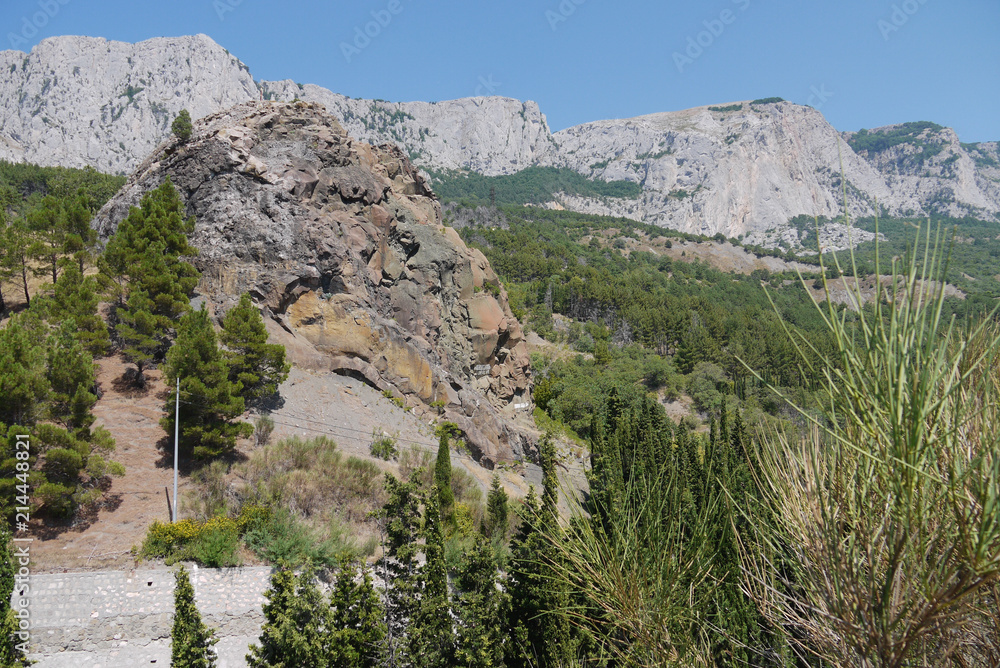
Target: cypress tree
(11,654)
(442,475)
(400,523)
(211,403)
(541,634)
(259,367)
(481,610)
(430,634)
(495,526)
(357,628)
(191,644)
(296,624)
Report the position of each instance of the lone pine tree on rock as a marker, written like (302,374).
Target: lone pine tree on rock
(182,126)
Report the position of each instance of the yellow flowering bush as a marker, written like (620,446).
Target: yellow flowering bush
(171,539)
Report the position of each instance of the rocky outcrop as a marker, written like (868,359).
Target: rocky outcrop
(933,172)
(342,243)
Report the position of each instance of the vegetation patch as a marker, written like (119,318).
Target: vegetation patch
(534,185)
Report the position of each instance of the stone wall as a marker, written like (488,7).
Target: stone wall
(124,619)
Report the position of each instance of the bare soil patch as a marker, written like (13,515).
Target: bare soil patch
(101,538)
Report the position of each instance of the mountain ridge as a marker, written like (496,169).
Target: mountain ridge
(741,168)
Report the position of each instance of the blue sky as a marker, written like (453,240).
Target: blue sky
(863,63)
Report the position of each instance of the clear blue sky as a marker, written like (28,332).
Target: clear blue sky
(936,60)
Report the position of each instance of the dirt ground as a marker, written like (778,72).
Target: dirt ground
(103,538)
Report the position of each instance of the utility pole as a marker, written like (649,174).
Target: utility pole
(177,425)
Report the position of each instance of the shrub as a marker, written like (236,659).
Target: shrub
(383,445)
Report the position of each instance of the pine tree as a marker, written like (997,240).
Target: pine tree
(182,126)
(17,240)
(357,628)
(191,644)
(23,384)
(430,633)
(495,526)
(442,475)
(481,609)
(260,367)
(49,226)
(142,266)
(80,236)
(211,403)
(141,332)
(7,264)
(71,376)
(75,298)
(296,624)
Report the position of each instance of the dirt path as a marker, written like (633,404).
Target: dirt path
(103,539)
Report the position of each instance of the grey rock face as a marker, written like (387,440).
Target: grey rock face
(936,173)
(342,244)
(77,101)
(490,135)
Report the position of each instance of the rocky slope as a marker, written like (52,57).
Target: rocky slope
(490,135)
(742,169)
(737,172)
(342,244)
(930,170)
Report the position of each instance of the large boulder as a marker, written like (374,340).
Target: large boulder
(342,244)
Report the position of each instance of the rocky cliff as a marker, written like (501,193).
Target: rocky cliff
(342,244)
(740,169)
(78,101)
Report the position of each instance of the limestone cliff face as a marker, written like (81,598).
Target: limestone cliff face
(741,172)
(489,135)
(78,101)
(936,173)
(342,243)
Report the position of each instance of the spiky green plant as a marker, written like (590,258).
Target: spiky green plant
(633,585)
(885,524)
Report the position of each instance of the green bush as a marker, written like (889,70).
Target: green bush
(216,547)
(383,445)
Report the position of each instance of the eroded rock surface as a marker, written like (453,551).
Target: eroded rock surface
(342,244)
